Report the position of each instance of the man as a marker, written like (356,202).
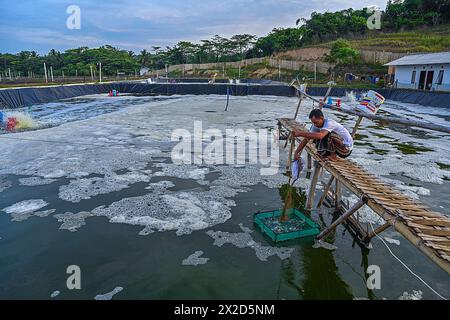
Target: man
(331,138)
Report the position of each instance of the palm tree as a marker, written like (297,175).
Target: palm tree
(144,57)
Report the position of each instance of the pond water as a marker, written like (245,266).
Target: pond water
(96,187)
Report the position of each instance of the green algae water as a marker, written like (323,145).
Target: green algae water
(108,199)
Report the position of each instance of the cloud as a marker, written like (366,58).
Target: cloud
(40,25)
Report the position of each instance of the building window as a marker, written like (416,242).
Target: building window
(440,77)
(413,77)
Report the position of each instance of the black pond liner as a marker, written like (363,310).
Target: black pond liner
(23,97)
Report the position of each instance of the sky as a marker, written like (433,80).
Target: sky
(40,25)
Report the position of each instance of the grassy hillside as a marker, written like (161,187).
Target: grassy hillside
(420,40)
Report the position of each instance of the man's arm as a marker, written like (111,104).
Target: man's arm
(311,135)
(307,136)
(300,148)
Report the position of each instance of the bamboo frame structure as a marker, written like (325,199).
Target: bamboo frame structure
(428,231)
(344,217)
(406,122)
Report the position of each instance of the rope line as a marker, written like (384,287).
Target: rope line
(404,265)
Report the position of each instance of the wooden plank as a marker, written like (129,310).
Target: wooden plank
(444,233)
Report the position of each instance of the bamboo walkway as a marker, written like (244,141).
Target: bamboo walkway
(427,230)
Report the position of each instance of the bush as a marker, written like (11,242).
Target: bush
(342,53)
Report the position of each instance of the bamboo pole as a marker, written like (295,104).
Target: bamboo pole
(357,124)
(344,217)
(325,192)
(338,196)
(379,230)
(321,104)
(309,165)
(299,105)
(291,151)
(312,188)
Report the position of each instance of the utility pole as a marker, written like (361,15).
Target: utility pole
(9,71)
(51,73)
(239,71)
(45,72)
(315,72)
(100,72)
(92,74)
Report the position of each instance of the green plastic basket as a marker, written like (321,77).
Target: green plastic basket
(299,226)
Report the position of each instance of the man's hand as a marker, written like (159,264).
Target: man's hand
(296,132)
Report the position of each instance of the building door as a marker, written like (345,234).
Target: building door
(429,82)
(423,75)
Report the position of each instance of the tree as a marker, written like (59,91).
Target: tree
(144,58)
(243,42)
(343,53)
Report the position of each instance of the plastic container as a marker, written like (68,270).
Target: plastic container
(371,102)
(299,225)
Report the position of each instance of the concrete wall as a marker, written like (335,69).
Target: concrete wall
(403,76)
(381,57)
(322,67)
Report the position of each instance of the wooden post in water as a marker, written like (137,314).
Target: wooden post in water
(344,217)
(338,195)
(309,166)
(299,105)
(357,124)
(325,192)
(325,98)
(291,151)
(312,188)
(379,230)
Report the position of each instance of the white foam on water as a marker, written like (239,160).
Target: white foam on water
(392,241)
(162,210)
(245,229)
(182,171)
(86,188)
(161,184)
(72,221)
(324,245)
(109,295)
(55,294)
(4,184)
(415,295)
(245,240)
(25,207)
(55,174)
(131,138)
(195,259)
(35,181)
(19,217)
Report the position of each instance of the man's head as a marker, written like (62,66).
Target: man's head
(317,118)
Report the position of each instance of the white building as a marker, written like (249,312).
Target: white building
(422,71)
(144,71)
